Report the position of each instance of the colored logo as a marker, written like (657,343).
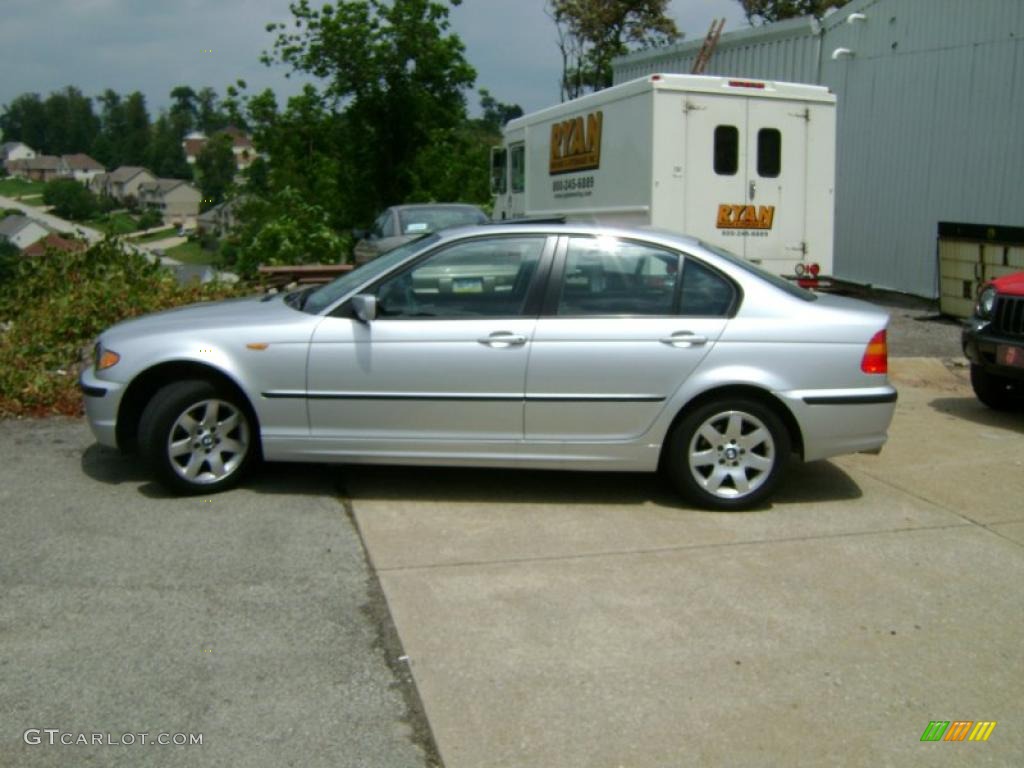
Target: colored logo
(745,216)
(576,144)
(958,730)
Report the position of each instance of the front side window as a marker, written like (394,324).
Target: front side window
(499,171)
(606,276)
(727,150)
(485,277)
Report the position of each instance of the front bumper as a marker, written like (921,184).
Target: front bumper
(980,345)
(102,398)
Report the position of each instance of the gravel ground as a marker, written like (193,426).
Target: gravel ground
(917,329)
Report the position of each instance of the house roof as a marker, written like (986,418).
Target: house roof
(126,173)
(193,147)
(81,162)
(160,186)
(12,225)
(39,163)
(9,146)
(55,242)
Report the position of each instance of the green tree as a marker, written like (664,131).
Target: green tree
(71,125)
(24,119)
(400,73)
(209,116)
(166,157)
(284,229)
(70,200)
(768,11)
(184,112)
(216,169)
(497,114)
(593,32)
(135,143)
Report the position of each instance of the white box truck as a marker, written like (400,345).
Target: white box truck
(745,164)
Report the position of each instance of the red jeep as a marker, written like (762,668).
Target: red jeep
(993,340)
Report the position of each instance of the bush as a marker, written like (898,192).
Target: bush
(70,200)
(58,305)
(150,219)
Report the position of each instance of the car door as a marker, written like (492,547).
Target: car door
(624,324)
(444,361)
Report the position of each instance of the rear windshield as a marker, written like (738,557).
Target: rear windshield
(419,221)
(779,282)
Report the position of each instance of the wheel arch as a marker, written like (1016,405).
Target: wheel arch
(146,384)
(749,391)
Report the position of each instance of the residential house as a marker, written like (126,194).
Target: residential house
(54,242)
(38,168)
(15,150)
(221,218)
(81,168)
(241,146)
(176,200)
(125,181)
(21,231)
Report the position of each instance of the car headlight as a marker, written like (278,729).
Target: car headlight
(105,358)
(986,303)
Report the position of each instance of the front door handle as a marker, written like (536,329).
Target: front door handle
(684,339)
(503,339)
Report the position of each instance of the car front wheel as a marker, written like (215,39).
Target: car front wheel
(997,392)
(728,455)
(196,438)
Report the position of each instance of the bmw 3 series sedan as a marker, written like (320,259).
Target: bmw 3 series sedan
(541,345)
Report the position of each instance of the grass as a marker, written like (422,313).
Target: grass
(162,234)
(115,223)
(11,187)
(192,252)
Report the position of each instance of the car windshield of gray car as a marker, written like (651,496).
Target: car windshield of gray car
(326,295)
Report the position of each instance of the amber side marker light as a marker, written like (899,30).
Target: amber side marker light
(876,356)
(107,360)
(258,346)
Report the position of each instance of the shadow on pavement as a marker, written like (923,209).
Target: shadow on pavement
(807,483)
(969,409)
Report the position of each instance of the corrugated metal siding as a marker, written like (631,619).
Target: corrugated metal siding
(930,120)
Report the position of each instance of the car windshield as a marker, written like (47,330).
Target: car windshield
(779,282)
(414,221)
(326,295)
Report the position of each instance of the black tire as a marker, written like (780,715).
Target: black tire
(740,467)
(221,438)
(997,392)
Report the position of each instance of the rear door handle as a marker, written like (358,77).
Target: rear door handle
(503,339)
(684,339)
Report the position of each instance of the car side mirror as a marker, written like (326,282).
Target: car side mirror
(365,307)
(360,234)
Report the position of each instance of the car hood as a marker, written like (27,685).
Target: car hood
(247,312)
(1010,285)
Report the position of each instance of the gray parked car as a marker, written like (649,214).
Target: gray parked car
(509,345)
(402,224)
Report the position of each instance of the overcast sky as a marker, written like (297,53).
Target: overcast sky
(154,45)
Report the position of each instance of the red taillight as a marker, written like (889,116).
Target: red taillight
(876,356)
(745,84)
(814,269)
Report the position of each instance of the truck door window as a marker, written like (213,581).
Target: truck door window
(518,168)
(727,150)
(769,153)
(499,174)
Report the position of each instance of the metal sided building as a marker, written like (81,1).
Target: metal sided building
(930,123)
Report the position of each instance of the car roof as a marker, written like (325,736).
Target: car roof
(558,227)
(421,206)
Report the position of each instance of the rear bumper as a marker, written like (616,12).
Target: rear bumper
(836,422)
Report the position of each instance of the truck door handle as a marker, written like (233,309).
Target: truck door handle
(503,339)
(753,190)
(684,339)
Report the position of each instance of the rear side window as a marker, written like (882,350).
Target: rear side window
(727,150)
(518,164)
(769,153)
(705,293)
(605,276)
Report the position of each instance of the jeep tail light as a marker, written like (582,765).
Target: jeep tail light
(876,356)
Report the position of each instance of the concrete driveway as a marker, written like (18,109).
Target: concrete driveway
(548,619)
(578,620)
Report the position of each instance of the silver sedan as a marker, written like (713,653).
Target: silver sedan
(509,345)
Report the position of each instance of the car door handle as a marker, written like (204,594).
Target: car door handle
(502,339)
(684,339)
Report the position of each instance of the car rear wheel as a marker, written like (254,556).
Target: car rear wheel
(196,438)
(728,455)
(997,392)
